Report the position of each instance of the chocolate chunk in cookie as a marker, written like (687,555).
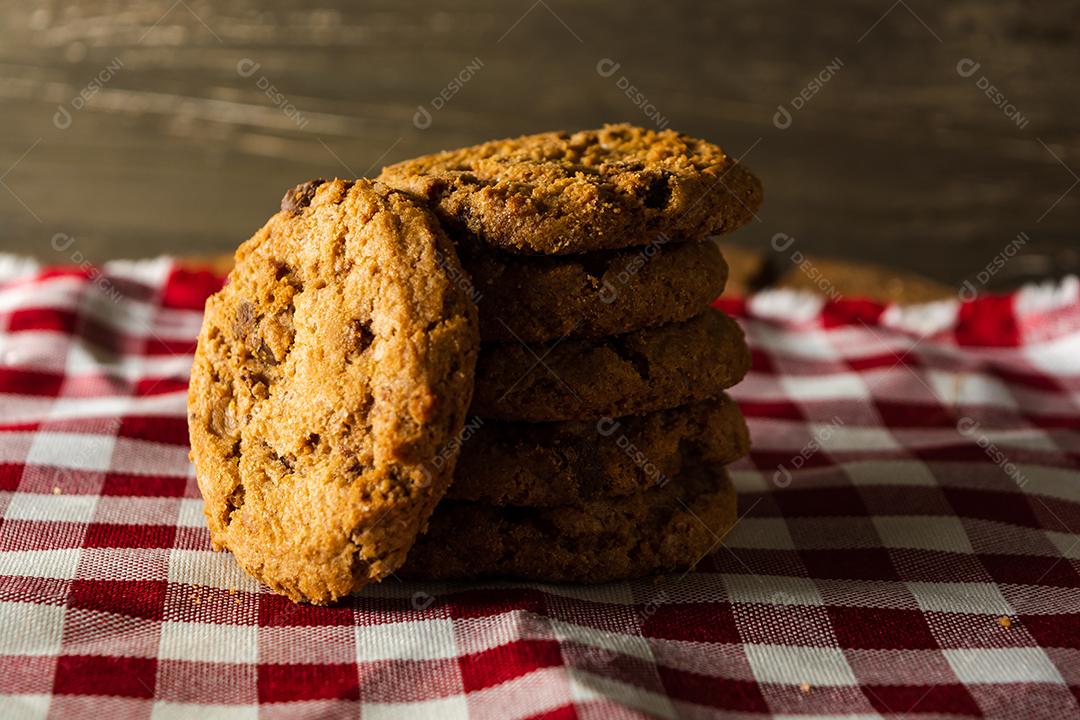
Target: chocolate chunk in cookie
(298,198)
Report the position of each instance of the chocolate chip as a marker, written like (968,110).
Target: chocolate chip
(300,196)
(265,355)
(595,265)
(624,348)
(234,502)
(244,321)
(360,336)
(346,187)
(659,192)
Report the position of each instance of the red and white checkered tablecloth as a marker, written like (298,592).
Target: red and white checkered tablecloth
(908,545)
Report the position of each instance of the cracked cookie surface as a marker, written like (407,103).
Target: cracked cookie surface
(559,193)
(564,463)
(630,374)
(665,529)
(536,299)
(332,372)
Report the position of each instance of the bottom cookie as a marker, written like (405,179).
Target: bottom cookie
(665,529)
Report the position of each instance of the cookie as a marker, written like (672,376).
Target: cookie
(548,464)
(665,529)
(536,299)
(629,374)
(558,193)
(332,374)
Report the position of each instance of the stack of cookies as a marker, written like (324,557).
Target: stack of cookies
(518,333)
(599,427)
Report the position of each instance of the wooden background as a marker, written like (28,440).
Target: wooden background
(139,129)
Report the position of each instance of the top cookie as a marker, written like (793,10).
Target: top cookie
(332,375)
(557,193)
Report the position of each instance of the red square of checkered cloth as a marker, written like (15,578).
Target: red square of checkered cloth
(907,545)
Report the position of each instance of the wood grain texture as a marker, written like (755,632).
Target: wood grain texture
(898,159)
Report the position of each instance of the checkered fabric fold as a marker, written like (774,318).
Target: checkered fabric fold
(908,543)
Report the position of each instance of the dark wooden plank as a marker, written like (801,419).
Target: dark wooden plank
(898,159)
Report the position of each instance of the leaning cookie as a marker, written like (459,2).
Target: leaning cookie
(665,529)
(629,374)
(559,193)
(536,299)
(567,463)
(331,373)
